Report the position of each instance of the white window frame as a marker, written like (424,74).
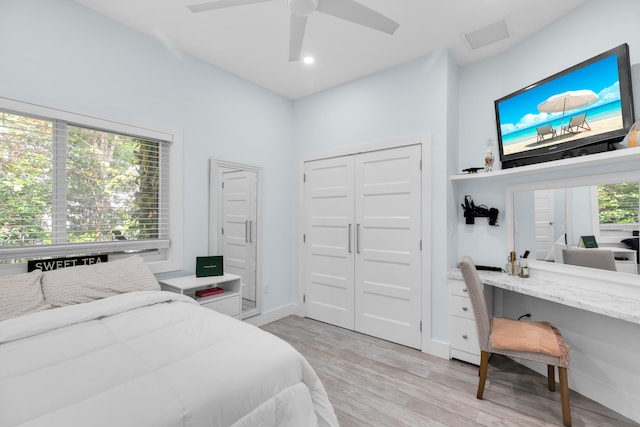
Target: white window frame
(169,259)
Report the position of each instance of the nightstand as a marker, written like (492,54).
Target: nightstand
(228,302)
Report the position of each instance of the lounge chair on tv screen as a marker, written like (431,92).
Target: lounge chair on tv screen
(543,131)
(576,123)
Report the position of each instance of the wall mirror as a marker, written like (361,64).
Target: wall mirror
(546,217)
(235,226)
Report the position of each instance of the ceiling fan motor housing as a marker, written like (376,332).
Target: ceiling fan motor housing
(302,7)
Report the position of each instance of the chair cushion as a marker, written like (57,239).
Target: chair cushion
(539,337)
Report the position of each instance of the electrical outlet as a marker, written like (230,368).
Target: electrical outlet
(265,288)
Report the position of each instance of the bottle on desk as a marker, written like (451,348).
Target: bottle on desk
(524,268)
(512,267)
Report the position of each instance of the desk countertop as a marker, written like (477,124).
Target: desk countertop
(621,301)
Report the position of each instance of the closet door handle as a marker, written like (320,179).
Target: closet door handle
(349,236)
(357,238)
(246,231)
(250,231)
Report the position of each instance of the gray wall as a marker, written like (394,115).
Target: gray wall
(410,99)
(59,54)
(603,365)
(592,29)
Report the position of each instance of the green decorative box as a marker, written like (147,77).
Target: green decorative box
(588,242)
(209,266)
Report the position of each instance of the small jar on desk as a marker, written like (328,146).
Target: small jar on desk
(524,268)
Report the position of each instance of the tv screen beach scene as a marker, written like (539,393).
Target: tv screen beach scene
(582,103)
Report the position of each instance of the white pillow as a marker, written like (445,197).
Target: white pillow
(20,294)
(86,283)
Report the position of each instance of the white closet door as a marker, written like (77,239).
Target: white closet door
(388,259)
(239,190)
(329,246)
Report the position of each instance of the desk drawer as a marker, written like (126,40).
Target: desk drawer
(460,307)
(457,287)
(464,335)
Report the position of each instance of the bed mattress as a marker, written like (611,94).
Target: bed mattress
(152,359)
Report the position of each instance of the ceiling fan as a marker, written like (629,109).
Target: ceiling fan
(348,10)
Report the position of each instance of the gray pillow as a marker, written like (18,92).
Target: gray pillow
(20,294)
(86,283)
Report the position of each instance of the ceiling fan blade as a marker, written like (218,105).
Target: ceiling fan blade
(220,4)
(296,36)
(352,11)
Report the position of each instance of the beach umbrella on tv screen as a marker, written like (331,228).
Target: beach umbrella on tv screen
(567,101)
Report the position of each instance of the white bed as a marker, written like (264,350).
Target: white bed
(151,358)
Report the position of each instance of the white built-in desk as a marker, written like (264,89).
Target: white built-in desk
(617,300)
(598,313)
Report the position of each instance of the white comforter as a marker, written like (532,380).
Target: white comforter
(152,359)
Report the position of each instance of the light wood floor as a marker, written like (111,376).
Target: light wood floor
(372,382)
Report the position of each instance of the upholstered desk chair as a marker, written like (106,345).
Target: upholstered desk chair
(594,258)
(536,341)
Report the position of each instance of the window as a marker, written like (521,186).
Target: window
(75,185)
(618,206)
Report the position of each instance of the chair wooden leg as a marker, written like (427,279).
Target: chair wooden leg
(551,377)
(564,396)
(484,365)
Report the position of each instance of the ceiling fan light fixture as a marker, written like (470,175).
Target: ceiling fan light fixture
(302,7)
(308,60)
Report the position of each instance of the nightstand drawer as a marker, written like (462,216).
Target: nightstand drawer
(229,306)
(464,335)
(460,307)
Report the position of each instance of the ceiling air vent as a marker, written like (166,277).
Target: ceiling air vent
(487,35)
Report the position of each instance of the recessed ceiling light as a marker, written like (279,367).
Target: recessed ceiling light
(309,60)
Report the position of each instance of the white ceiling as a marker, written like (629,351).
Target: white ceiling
(252,41)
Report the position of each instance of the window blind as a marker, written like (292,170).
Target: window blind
(619,203)
(69,188)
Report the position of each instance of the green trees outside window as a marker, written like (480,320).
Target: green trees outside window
(63,183)
(618,203)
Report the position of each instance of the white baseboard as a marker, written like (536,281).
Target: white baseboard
(273,315)
(436,348)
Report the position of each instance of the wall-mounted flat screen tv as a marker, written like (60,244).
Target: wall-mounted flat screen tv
(585,109)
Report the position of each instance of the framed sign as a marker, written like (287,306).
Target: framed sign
(209,266)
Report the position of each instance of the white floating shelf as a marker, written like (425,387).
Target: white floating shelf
(598,159)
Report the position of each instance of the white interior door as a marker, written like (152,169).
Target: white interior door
(388,245)
(362,259)
(329,264)
(544,211)
(239,212)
